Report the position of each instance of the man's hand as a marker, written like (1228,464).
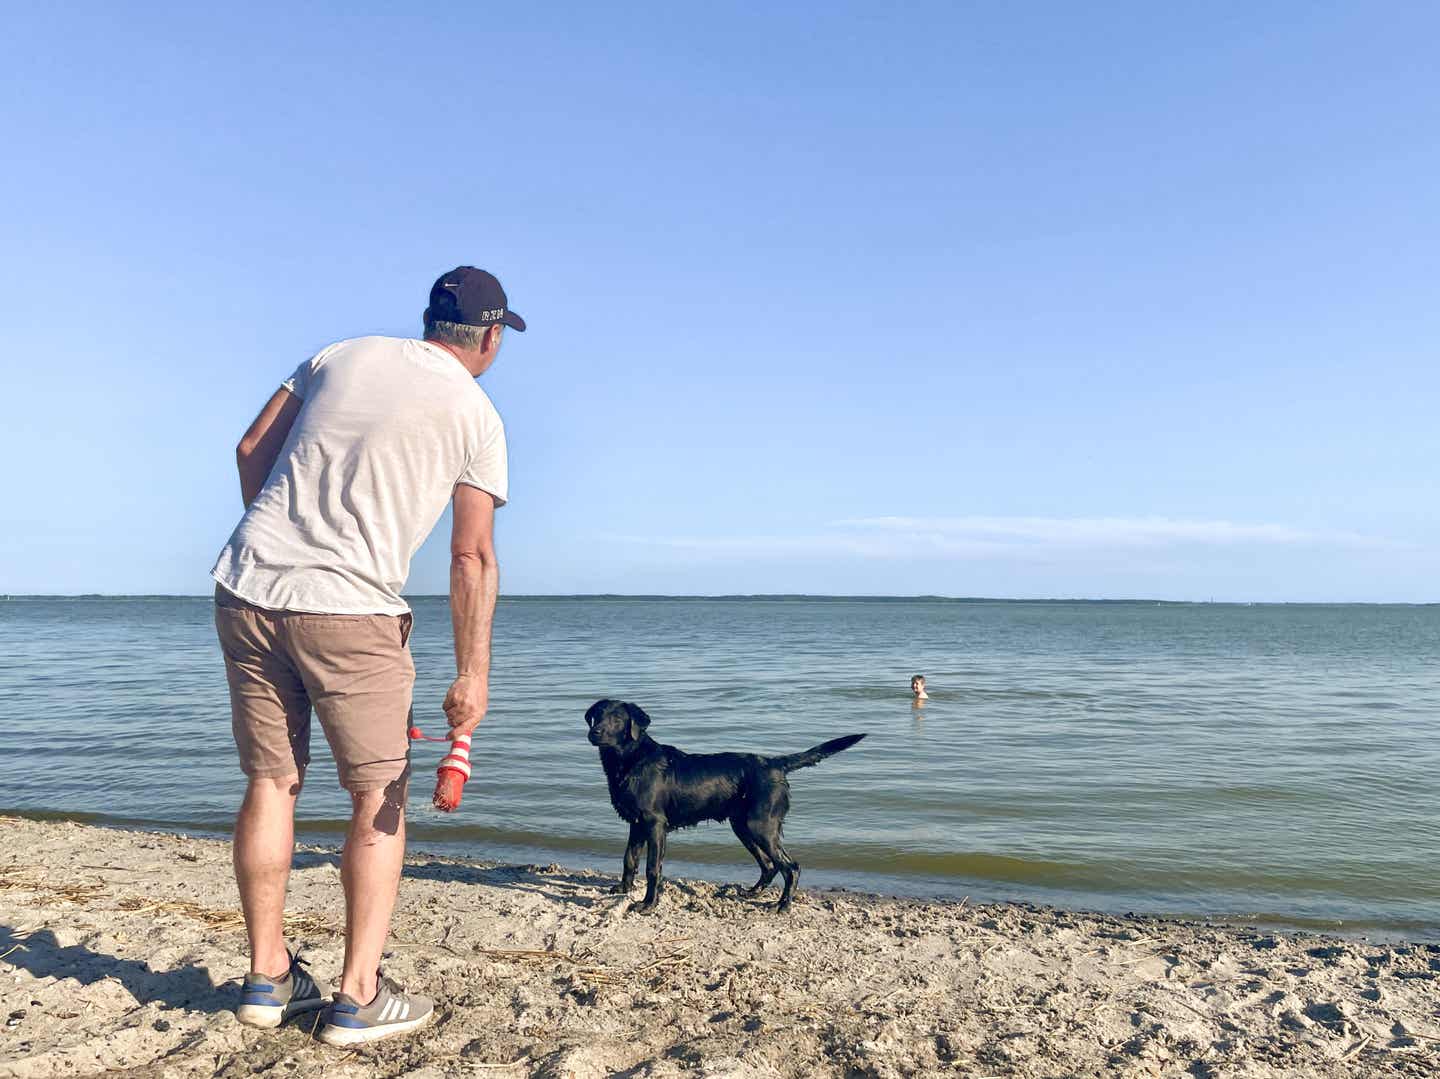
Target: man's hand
(466,703)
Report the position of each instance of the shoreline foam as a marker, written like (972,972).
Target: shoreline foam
(120,950)
(734,865)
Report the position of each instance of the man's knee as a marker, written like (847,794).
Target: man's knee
(282,786)
(378,814)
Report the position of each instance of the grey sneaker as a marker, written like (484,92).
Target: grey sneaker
(265,1002)
(392,1012)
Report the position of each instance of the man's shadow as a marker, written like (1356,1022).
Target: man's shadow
(40,953)
(563,885)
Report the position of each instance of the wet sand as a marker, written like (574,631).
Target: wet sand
(122,951)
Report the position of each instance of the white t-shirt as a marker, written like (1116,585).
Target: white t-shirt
(388,427)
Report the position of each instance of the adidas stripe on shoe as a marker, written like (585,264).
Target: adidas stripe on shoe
(392,1012)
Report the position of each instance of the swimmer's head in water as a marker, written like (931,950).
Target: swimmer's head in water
(917,684)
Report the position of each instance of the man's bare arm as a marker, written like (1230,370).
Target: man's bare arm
(474,584)
(260,446)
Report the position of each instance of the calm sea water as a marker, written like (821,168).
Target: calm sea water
(1266,763)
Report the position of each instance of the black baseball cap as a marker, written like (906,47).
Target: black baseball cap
(470,297)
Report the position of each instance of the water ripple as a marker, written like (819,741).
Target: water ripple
(1215,759)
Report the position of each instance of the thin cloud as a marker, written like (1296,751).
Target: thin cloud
(1010,538)
(1107,532)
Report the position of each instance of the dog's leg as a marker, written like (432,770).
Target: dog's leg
(632,859)
(767,834)
(654,867)
(791,868)
(767,867)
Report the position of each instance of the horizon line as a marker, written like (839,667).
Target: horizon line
(853,597)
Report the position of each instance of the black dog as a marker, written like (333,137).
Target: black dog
(658,789)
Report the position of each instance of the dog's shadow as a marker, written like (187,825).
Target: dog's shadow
(576,889)
(41,953)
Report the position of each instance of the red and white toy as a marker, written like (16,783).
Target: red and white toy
(454,770)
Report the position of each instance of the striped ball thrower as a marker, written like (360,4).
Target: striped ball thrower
(453,771)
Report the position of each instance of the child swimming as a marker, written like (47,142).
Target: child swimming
(917,688)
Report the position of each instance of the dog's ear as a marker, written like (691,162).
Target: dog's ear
(638,721)
(593,712)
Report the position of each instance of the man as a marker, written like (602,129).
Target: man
(344,473)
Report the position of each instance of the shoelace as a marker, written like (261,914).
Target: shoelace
(300,965)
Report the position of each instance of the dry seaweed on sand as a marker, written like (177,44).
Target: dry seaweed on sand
(585,969)
(222,919)
(29,880)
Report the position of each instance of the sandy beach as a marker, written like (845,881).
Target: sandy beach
(119,951)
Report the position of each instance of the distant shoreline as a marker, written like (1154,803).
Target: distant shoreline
(793,597)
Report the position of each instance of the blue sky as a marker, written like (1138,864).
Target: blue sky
(1013,300)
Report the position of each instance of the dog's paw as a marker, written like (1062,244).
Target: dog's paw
(782,907)
(620,889)
(643,907)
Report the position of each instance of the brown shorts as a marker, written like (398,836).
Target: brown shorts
(355,670)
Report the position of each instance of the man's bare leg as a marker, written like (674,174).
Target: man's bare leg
(370,872)
(262,850)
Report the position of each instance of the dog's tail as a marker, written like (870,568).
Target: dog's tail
(815,755)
